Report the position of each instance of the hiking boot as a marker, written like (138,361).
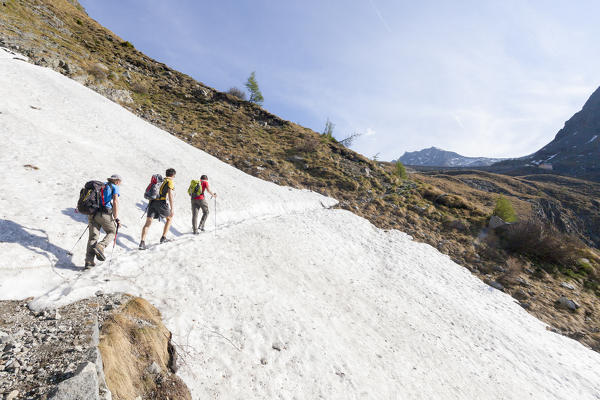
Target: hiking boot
(195,232)
(201,228)
(164,240)
(142,245)
(99,252)
(89,264)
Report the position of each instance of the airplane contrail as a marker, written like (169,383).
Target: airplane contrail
(387,27)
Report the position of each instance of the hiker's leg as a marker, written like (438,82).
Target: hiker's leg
(167,226)
(145,228)
(109,226)
(204,206)
(94,233)
(195,209)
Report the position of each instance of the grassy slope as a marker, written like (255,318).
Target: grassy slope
(447,210)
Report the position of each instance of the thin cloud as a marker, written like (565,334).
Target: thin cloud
(370,132)
(386,26)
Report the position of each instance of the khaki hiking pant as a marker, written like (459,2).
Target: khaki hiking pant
(95,222)
(196,206)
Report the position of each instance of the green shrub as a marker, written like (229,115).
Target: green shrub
(504,210)
(127,44)
(586,266)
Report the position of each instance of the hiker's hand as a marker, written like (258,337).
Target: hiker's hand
(172,213)
(118,222)
(214,194)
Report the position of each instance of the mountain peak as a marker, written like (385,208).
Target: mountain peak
(436,157)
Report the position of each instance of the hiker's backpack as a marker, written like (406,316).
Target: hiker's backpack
(194,189)
(153,189)
(91,198)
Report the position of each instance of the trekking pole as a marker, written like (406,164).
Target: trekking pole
(145,211)
(71,252)
(114,243)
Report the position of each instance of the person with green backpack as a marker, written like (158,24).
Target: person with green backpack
(196,192)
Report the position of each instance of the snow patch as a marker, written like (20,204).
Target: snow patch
(9,54)
(592,139)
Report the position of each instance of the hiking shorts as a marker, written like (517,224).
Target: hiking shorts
(158,209)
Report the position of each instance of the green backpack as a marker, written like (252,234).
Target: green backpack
(194,188)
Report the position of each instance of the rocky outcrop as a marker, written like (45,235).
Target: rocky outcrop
(56,354)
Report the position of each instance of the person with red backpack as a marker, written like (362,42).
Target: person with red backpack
(199,202)
(158,208)
(105,217)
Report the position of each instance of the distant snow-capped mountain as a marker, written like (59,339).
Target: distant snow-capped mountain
(434,157)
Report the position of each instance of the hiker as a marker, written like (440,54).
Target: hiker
(158,208)
(199,202)
(107,218)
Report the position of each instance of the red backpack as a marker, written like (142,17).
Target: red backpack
(152,190)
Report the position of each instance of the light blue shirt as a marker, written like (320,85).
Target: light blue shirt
(110,190)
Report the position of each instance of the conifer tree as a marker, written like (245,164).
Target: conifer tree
(252,86)
(401,170)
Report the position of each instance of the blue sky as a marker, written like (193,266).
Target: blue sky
(482,78)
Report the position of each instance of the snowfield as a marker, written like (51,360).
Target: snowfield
(288,299)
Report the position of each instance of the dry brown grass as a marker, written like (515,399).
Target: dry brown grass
(99,71)
(130,341)
(139,88)
(308,144)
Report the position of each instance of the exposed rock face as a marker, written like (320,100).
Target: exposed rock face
(575,150)
(84,385)
(434,157)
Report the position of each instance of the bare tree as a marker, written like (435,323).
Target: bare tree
(349,140)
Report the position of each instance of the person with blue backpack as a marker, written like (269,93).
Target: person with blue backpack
(105,217)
